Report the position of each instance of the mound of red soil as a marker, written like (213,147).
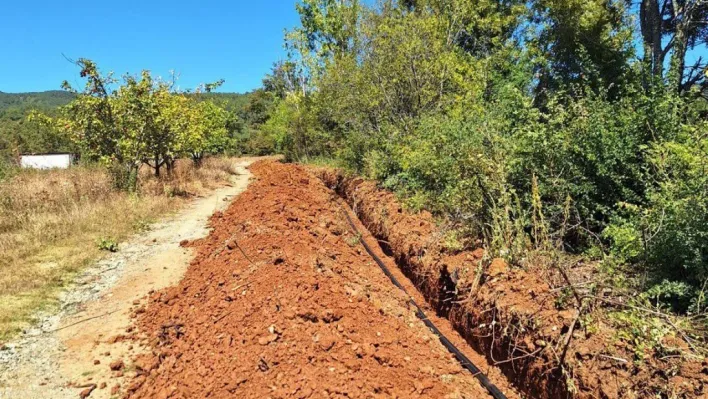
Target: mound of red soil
(510,314)
(282,301)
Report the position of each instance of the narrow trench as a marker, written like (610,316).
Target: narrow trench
(464,361)
(523,376)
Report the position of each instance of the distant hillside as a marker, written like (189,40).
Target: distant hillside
(40,100)
(47,100)
(18,135)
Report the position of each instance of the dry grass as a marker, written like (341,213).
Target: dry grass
(50,222)
(186,179)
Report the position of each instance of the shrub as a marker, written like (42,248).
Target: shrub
(107,244)
(7,169)
(669,232)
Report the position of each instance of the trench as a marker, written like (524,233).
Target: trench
(449,345)
(526,375)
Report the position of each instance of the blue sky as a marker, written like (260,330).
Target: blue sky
(202,40)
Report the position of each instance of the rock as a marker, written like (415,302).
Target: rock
(136,384)
(115,389)
(86,392)
(114,339)
(146,364)
(116,365)
(327,342)
(96,362)
(103,385)
(268,339)
(422,386)
(330,315)
(497,267)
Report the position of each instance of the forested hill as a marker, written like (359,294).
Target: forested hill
(37,100)
(46,100)
(19,135)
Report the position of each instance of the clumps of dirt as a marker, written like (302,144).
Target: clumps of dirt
(510,314)
(281,301)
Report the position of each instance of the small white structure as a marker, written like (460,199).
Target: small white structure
(47,161)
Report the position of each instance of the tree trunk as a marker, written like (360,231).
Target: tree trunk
(132,178)
(157,165)
(678,57)
(650,22)
(170,165)
(197,158)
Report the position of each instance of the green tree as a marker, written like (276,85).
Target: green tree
(582,42)
(141,121)
(204,128)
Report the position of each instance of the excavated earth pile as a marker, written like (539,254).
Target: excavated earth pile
(282,301)
(510,314)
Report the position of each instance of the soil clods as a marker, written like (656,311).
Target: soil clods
(282,301)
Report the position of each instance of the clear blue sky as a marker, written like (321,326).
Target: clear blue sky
(203,40)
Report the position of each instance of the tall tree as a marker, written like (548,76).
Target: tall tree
(582,41)
(479,27)
(674,27)
(328,29)
(283,79)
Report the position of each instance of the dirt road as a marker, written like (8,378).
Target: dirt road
(68,352)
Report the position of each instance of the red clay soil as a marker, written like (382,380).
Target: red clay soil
(510,314)
(282,301)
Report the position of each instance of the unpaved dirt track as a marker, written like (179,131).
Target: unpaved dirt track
(282,301)
(61,352)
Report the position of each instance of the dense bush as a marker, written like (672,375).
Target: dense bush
(530,125)
(668,232)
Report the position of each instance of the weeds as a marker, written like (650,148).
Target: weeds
(353,240)
(107,244)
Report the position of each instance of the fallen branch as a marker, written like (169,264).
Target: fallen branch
(569,336)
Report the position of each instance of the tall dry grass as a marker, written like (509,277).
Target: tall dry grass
(51,220)
(186,179)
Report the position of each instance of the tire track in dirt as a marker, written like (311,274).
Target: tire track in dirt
(283,301)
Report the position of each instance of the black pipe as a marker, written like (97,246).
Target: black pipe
(464,360)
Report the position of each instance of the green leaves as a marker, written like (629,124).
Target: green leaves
(140,120)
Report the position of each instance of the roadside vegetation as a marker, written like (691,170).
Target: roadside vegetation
(144,147)
(560,133)
(54,223)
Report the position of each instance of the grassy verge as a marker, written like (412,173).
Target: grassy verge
(51,223)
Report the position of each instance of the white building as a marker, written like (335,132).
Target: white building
(46,161)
